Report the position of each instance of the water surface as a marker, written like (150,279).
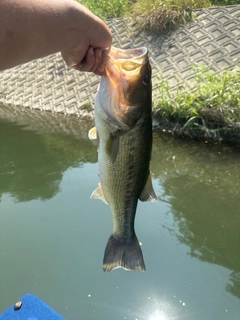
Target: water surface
(53,236)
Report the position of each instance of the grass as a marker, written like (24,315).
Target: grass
(164,15)
(224,2)
(212,107)
(107,8)
(152,15)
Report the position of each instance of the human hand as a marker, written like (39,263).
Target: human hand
(94,37)
(68,27)
(91,62)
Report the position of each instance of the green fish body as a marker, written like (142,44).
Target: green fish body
(123,127)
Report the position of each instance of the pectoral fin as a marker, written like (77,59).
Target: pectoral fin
(148,193)
(92,133)
(113,145)
(98,194)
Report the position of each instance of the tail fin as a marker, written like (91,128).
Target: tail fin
(123,254)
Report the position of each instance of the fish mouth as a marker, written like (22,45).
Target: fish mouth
(117,54)
(123,70)
(118,62)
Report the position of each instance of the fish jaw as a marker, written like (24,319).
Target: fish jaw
(122,89)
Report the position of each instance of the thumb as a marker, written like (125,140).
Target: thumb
(100,35)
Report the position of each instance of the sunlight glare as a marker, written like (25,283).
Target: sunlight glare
(158,315)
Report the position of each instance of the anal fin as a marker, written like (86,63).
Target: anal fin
(148,194)
(98,194)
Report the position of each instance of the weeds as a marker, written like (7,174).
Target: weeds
(107,8)
(224,2)
(175,11)
(152,15)
(213,104)
(164,15)
(88,106)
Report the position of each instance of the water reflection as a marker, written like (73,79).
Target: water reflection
(32,165)
(200,183)
(158,309)
(162,311)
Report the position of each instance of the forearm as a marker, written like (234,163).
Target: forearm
(31,29)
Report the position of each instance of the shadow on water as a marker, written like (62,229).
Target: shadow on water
(199,181)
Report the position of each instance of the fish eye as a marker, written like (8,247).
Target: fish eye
(146,79)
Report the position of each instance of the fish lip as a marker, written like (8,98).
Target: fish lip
(115,58)
(138,55)
(118,54)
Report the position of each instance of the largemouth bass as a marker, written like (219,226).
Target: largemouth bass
(123,127)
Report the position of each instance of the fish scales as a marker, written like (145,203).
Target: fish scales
(124,179)
(123,127)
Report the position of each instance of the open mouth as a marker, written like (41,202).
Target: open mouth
(118,54)
(123,63)
(123,71)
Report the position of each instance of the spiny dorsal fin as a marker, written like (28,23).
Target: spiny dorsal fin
(98,194)
(92,133)
(148,193)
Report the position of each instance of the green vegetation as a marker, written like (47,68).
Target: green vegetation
(164,15)
(213,104)
(159,15)
(154,15)
(224,2)
(107,8)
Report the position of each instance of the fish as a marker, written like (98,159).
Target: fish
(123,129)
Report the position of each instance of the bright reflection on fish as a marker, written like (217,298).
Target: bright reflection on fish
(123,127)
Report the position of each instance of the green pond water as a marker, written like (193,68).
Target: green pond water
(53,236)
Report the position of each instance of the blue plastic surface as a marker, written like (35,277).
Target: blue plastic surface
(32,309)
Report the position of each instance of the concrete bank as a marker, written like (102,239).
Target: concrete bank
(46,84)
